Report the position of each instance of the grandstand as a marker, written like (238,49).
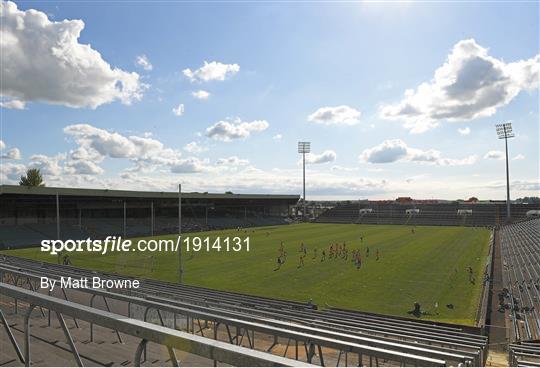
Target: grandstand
(252,330)
(31,214)
(520,245)
(525,354)
(164,323)
(437,214)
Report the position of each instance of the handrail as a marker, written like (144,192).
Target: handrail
(362,346)
(198,345)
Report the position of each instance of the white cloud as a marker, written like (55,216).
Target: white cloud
(146,154)
(464,131)
(469,160)
(343,168)
(143,62)
(95,144)
(212,71)
(11,172)
(42,60)
(232,161)
(326,156)
(526,185)
(110,144)
(228,130)
(13,104)
(200,94)
(189,165)
(494,155)
(522,185)
(248,180)
(46,164)
(415,178)
(79,167)
(471,84)
(194,147)
(321,184)
(386,152)
(178,110)
(519,157)
(12,154)
(83,161)
(85,153)
(338,115)
(395,150)
(277,137)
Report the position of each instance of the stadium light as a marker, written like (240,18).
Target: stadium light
(504,131)
(303,148)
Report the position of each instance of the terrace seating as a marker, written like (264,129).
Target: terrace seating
(526,354)
(520,249)
(19,236)
(297,330)
(14,236)
(81,335)
(429,214)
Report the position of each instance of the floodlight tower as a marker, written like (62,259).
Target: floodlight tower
(504,131)
(303,148)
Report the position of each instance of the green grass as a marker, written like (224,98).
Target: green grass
(428,266)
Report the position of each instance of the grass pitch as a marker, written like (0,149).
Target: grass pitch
(429,266)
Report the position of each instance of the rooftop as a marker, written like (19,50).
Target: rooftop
(84,192)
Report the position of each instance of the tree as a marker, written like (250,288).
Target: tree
(529,200)
(32,178)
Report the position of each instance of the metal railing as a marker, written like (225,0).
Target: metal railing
(312,337)
(403,342)
(147,332)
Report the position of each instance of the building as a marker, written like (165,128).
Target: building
(29,214)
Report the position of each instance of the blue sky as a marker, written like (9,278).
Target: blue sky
(333,74)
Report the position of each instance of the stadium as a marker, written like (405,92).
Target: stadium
(272,183)
(331,312)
